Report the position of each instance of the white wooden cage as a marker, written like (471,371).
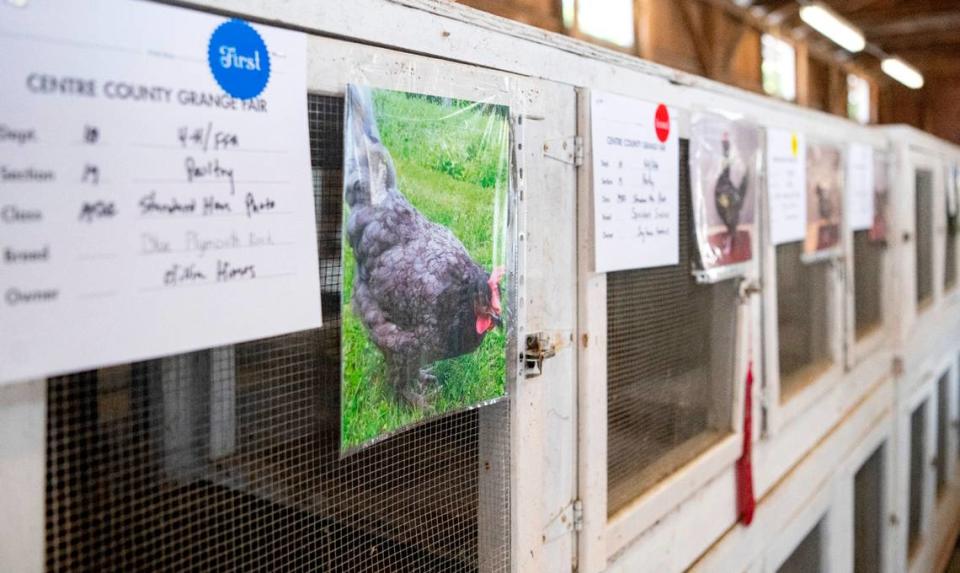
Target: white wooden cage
(612,459)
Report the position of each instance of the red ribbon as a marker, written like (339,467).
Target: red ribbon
(746,503)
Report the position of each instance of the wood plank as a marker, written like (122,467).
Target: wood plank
(23,466)
(697,30)
(881,14)
(929,39)
(916,24)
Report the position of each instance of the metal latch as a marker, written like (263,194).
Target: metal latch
(568,150)
(539,347)
(749,288)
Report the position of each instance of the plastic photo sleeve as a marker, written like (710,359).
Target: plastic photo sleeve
(724,162)
(881,195)
(426,183)
(824,199)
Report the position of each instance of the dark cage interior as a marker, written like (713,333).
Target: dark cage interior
(867,283)
(868,513)
(924,231)
(670,353)
(950,254)
(228,459)
(808,556)
(918,422)
(803,319)
(943,424)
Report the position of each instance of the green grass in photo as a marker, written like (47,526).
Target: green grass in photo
(451,157)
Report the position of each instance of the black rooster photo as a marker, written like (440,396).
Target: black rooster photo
(824,202)
(723,159)
(424,309)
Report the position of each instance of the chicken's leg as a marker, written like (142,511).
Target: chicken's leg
(421,391)
(411,385)
(731,240)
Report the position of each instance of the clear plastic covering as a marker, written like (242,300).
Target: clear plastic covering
(426,186)
(724,166)
(824,200)
(881,196)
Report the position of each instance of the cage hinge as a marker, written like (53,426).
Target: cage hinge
(764,412)
(570,518)
(568,150)
(539,347)
(577,515)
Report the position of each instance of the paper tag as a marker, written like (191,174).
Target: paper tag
(636,184)
(145,210)
(786,185)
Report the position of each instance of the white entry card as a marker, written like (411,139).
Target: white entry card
(786,185)
(860,190)
(155,186)
(636,186)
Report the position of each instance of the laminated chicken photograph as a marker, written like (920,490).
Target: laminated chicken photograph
(724,162)
(824,198)
(424,307)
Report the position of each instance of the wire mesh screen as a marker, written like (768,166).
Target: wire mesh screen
(924,233)
(867,283)
(670,361)
(868,510)
(227,459)
(808,556)
(943,422)
(918,424)
(803,326)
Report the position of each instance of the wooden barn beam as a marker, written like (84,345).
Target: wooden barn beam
(803,74)
(931,39)
(643,28)
(730,45)
(934,61)
(702,43)
(882,14)
(916,25)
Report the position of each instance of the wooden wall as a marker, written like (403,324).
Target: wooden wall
(544,14)
(934,108)
(719,40)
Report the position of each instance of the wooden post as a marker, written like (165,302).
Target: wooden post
(184,411)
(643,28)
(803,73)
(223,401)
(23,468)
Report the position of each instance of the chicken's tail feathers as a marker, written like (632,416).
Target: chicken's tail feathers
(369,173)
(387,336)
